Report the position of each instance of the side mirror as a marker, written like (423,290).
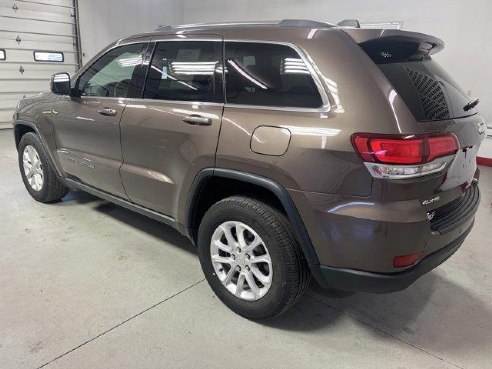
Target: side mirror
(60,84)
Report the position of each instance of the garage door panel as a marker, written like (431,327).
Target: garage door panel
(20,25)
(27,26)
(34,71)
(63,3)
(36,15)
(34,37)
(20,86)
(6,118)
(8,104)
(16,96)
(27,56)
(37,7)
(35,45)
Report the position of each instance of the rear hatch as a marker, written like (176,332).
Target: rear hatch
(438,105)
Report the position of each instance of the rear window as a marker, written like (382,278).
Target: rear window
(428,91)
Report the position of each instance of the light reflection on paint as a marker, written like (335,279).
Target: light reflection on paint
(349,205)
(312,33)
(391,98)
(333,87)
(313,131)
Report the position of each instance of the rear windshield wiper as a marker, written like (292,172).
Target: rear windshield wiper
(471,105)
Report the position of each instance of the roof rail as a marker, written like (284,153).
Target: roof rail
(163,28)
(282,23)
(303,23)
(349,23)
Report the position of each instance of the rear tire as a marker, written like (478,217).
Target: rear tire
(37,172)
(284,276)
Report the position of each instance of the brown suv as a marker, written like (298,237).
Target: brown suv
(280,149)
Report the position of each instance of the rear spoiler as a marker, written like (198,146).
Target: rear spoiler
(369,38)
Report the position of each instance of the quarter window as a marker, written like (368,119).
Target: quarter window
(186,71)
(268,75)
(112,74)
(49,56)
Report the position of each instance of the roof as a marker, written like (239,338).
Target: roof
(245,29)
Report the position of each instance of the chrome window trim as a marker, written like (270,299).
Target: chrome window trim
(179,102)
(188,38)
(325,108)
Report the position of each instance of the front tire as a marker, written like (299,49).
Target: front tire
(251,258)
(37,172)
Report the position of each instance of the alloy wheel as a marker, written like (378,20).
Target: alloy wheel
(33,168)
(241,260)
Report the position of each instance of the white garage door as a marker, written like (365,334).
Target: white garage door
(37,39)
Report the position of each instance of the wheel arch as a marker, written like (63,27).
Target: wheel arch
(265,186)
(21,127)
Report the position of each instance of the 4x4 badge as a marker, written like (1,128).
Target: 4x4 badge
(430,201)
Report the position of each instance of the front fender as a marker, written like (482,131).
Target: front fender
(45,134)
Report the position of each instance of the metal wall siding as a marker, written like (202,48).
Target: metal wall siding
(27,26)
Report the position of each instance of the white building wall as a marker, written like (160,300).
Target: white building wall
(104,21)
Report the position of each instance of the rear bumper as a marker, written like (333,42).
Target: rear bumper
(355,280)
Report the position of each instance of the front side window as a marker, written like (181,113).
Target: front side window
(186,71)
(111,75)
(268,75)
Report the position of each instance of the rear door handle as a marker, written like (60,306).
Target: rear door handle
(108,111)
(197,120)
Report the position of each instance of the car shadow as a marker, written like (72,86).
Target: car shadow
(435,311)
(142,223)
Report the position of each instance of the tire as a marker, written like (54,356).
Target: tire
(288,272)
(51,189)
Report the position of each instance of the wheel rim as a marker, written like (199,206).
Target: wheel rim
(241,261)
(33,168)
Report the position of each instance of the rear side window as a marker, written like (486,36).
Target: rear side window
(428,91)
(268,75)
(186,71)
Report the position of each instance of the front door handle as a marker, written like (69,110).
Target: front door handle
(197,120)
(108,112)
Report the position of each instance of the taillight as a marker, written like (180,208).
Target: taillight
(404,156)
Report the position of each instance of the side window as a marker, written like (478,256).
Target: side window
(3,55)
(186,71)
(268,75)
(111,75)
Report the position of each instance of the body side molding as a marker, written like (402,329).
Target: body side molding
(120,202)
